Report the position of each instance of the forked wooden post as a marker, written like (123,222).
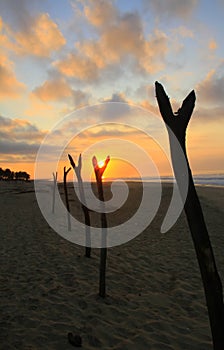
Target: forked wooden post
(55,175)
(103,251)
(66,197)
(177,123)
(77,170)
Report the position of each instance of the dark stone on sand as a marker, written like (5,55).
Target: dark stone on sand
(75,340)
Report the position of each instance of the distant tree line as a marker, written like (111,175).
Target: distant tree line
(7,175)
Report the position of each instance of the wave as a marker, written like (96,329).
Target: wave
(203,180)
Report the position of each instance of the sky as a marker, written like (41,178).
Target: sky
(59,59)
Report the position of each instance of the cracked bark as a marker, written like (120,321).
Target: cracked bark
(177,125)
(66,197)
(103,251)
(77,169)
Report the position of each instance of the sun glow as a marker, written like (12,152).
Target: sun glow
(101,163)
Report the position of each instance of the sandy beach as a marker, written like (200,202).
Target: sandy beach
(155,298)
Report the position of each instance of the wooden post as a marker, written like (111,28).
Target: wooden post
(177,123)
(55,175)
(103,251)
(77,170)
(66,197)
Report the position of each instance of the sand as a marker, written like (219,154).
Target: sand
(48,288)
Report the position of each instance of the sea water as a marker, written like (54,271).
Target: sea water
(215,180)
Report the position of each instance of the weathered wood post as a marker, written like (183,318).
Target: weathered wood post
(77,170)
(177,125)
(103,251)
(66,197)
(55,175)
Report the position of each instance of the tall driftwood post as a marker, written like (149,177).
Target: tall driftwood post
(77,170)
(103,251)
(66,197)
(177,123)
(55,175)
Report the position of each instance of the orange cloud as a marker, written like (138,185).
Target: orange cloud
(5,42)
(75,65)
(100,13)
(126,38)
(212,45)
(58,90)
(152,57)
(149,106)
(117,43)
(53,90)
(41,40)
(10,87)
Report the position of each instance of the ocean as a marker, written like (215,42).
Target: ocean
(215,180)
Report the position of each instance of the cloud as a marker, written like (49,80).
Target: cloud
(78,66)
(116,97)
(146,104)
(146,91)
(183,31)
(127,108)
(209,114)
(5,42)
(125,39)
(20,148)
(212,45)
(100,13)
(178,43)
(42,38)
(211,89)
(146,98)
(53,90)
(120,42)
(154,52)
(172,8)
(10,87)
(19,130)
(110,130)
(20,139)
(58,90)
(18,13)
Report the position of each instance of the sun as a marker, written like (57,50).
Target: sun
(101,163)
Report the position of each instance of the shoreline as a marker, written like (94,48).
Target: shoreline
(127,181)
